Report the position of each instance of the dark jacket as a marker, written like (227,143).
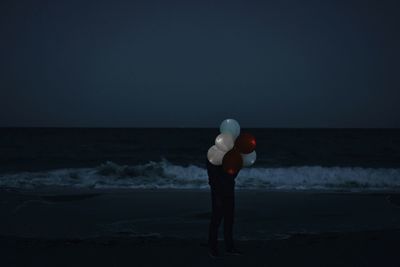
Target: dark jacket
(220,181)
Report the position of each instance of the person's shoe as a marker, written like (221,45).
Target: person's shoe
(214,253)
(234,251)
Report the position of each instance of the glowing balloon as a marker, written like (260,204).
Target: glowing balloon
(224,142)
(230,126)
(232,162)
(249,159)
(215,155)
(245,143)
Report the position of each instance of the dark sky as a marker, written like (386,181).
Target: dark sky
(112,63)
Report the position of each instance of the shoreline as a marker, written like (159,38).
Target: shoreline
(152,227)
(82,190)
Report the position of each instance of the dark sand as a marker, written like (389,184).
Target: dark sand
(169,228)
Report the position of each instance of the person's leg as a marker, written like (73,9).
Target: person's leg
(216,217)
(229,214)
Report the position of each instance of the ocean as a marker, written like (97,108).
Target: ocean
(174,158)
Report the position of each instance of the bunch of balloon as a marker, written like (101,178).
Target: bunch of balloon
(232,149)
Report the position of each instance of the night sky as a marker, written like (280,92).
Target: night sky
(194,63)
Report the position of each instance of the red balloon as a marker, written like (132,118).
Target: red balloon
(232,162)
(245,143)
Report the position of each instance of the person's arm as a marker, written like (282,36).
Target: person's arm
(212,172)
(214,175)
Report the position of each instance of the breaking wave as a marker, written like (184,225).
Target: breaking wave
(166,175)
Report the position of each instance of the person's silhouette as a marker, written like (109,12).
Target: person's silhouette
(222,187)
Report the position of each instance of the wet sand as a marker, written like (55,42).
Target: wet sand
(169,228)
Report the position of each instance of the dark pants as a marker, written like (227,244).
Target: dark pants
(222,207)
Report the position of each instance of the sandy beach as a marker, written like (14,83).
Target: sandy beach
(169,228)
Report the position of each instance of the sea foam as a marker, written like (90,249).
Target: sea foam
(164,174)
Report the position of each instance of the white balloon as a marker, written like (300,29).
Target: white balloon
(215,155)
(224,142)
(230,126)
(249,159)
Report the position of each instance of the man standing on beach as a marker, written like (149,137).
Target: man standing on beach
(223,205)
